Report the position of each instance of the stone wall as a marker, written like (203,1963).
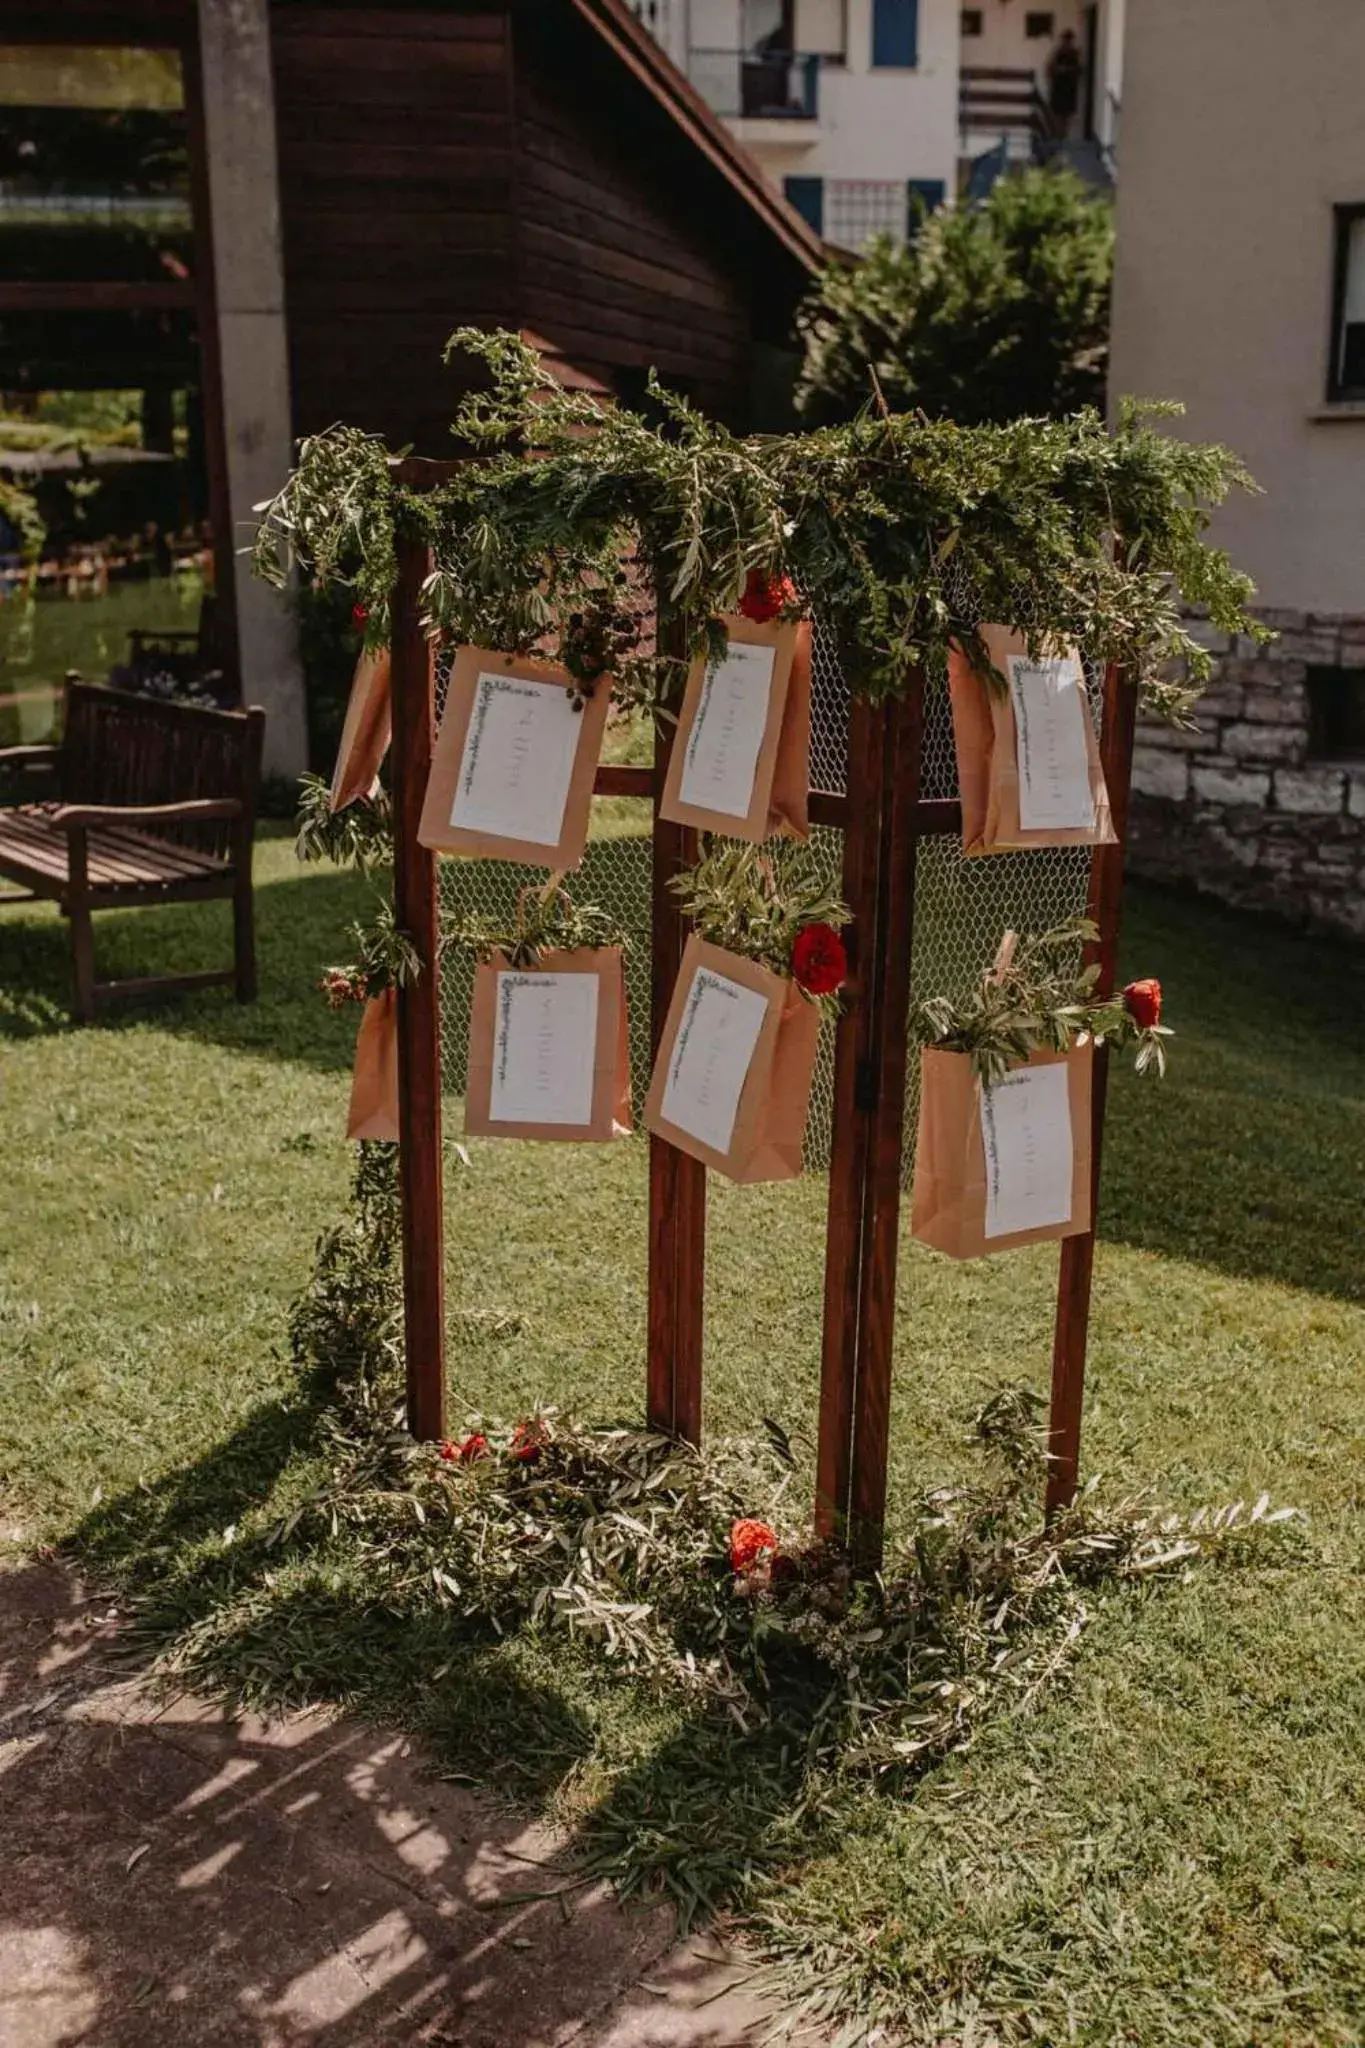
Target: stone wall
(1237,808)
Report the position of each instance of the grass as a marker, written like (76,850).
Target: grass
(1167,1849)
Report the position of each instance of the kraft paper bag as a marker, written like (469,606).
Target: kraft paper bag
(740,761)
(532,1075)
(988,761)
(513,767)
(953,1206)
(374,1084)
(731,1082)
(365,733)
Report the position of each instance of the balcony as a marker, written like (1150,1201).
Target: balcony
(764,85)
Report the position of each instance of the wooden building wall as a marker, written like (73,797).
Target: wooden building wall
(615,263)
(396,182)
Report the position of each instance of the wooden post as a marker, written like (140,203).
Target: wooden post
(851,1133)
(677,1183)
(419,1025)
(1078,1253)
(904,738)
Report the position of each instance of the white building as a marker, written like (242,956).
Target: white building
(866,111)
(1240,290)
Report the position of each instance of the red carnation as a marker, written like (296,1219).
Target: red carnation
(766,596)
(1142,1000)
(749,1541)
(528,1441)
(447,1450)
(819,960)
(474,1446)
(359,614)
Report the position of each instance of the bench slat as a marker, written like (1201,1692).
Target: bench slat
(116,855)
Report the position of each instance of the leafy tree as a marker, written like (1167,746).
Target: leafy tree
(993,312)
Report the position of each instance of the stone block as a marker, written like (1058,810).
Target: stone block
(1319,650)
(1277,704)
(1355,792)
(1159,773)
(1205,635)
(1306,791)
(1178,739)
(1217,784)
(1281,619)
(1270,743)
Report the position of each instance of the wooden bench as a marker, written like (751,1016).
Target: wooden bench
(149,802)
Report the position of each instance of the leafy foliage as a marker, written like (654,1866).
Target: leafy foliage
(754,900)
(546,921)
(19,509)
(1037,998)
(347,1323)
(903,534)
(993,312)
(360,835)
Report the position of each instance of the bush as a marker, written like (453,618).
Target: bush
(994,312)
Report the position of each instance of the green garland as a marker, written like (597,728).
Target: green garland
(903,534)
(1040,1000)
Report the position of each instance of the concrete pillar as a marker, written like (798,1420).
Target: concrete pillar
(244,205)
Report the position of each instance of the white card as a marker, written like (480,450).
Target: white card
(1026,1131)
(726,739)
(518,760)
(544,1048)
(1050,711)
(711,1056)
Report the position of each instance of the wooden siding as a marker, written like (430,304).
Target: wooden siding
(396,168)
(614,264)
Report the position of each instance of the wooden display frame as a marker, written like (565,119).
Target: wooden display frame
(882,830)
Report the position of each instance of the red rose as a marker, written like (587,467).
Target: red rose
(819,960)
(359,614)
(748,1543)
(1142,1000)
(765,596)
(474,1446)
(448,1451)
(528,1441)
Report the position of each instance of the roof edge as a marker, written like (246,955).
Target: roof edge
(636,47)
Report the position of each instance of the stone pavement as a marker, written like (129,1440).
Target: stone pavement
(168,1875)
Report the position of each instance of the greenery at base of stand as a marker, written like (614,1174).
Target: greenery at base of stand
(904,534)
(1037,998)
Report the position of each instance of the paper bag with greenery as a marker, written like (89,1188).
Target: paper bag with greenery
(374,1083)
(1027,759)
(365,733)
(740,762)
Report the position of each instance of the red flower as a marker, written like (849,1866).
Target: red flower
(447,1450)
(748,1542)
(819,960)
(359,614)
(343,985)
(474,1446)
(528,1441)
(1142,1000)
(765,596)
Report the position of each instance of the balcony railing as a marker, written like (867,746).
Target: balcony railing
(765,85)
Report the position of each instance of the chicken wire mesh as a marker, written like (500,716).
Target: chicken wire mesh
(962,906)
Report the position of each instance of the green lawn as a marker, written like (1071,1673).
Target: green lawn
(1169,1848)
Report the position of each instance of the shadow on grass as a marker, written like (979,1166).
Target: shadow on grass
(1249,1157)
(301,925)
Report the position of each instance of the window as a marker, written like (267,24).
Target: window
(1336,714)
(856,209)
(1037,26)
(807,195)
(895,34)
(1346,371)
(971,21)
(923,197)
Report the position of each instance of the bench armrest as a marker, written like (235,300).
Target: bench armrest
(187,813)
(29,757)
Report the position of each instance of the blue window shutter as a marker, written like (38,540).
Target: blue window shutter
(807,195)
(923,196)
(895,33)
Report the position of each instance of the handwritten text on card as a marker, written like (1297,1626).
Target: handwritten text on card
(1026,1133)
(544,1048)
(518,760)
(1050,711)
(721,758)
(711,1057)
